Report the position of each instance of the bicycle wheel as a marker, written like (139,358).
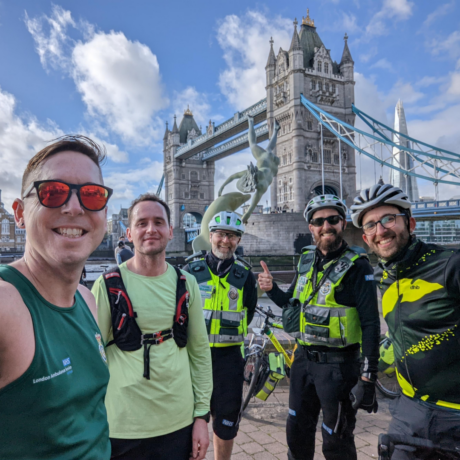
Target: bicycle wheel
(251,374)
(388,385)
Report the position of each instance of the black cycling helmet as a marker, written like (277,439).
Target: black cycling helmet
(378,195)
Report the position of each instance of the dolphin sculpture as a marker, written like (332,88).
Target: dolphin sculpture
(228,202)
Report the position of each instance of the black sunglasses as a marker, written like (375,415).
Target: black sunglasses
(55,193)
(332,220)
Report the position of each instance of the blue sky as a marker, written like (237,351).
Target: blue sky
(117,70)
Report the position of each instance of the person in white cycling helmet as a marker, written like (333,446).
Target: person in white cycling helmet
(419,284)
(330,319)
(229,294)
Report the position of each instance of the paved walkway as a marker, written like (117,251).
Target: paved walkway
(262,434)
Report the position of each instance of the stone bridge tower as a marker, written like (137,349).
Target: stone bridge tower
(309,69)
(189,184)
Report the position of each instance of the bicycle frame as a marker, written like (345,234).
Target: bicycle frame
(264,330)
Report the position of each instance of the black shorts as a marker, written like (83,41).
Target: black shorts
(227,373)
(177,445)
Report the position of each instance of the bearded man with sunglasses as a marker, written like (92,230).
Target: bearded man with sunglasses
(420,287)
(53,368)
(229,295)
(330,307)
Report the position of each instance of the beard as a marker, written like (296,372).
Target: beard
(331,245)
(401,241)
(223,255)
(152,252)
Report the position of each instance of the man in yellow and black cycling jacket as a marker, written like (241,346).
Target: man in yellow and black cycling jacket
(420,287)
(333,303)
(229,295)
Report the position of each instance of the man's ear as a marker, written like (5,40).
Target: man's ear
(344,220)
(18,208)
(412,224)
(365,238)
(128,235)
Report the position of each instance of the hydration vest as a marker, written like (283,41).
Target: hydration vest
(223,309)
(322,320)
(126,333)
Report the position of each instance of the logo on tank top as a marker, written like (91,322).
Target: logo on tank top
(101,347)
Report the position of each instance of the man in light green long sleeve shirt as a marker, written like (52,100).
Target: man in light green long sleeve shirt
(163,417)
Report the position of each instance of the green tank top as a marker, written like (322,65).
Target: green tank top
(55,410)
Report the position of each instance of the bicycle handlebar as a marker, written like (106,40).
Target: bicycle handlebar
(386,440)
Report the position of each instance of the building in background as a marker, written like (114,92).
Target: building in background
(401,159)
(12,239)
(308,68)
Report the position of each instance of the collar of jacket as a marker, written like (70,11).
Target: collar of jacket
(322,260)
(218,266)
(406,257)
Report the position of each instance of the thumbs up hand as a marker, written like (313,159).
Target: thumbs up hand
(265,278)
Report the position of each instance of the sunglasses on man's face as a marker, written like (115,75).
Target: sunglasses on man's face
(332,220)
(54,194)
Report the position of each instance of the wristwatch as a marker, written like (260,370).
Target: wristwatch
(369,375)
(205,417)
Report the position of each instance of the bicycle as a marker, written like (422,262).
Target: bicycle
(388,442)
(256,357)
(387,382)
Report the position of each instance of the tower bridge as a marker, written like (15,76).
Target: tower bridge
(311,96)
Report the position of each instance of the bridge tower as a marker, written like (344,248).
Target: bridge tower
(189,184)
(309,69)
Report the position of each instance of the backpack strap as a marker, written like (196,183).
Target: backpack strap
(181,317)
(122,312)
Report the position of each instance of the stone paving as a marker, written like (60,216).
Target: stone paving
(262,434)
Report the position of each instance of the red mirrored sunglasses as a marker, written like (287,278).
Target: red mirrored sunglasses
(55,193)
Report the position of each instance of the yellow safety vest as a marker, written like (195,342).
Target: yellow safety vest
(223,309)
(323,321)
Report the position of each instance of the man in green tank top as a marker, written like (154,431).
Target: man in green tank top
(53,370)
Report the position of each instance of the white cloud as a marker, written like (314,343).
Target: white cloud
(349,23)
(439,12)
(245,43)
(371,52)
(120,82)
(119,79)
(396,10)
(20,138)
(449,45)
(126,184)
(199,105)
(51,44)
(383,64)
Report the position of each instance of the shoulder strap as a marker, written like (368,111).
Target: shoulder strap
(114,282)
(306,260)
(238,275)
(345,262)
(199,269)
(181,292)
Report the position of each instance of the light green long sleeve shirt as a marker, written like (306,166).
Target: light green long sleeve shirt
(180,384)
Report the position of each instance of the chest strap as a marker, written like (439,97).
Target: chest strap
(153,339)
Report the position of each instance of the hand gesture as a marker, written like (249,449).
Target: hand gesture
(265,278)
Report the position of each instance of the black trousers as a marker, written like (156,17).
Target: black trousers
(314,387)
(416,418)
(177,445)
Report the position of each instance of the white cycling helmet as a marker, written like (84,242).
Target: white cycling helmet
(324,202)
(227,220)
(378,195)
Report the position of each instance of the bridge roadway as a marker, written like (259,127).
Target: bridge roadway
(226,130)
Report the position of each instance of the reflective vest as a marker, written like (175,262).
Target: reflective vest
(323,321)
(223,309)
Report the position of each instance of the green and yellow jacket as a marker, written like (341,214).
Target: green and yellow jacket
(421,305)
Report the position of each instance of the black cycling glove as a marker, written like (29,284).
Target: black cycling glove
(362,396)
